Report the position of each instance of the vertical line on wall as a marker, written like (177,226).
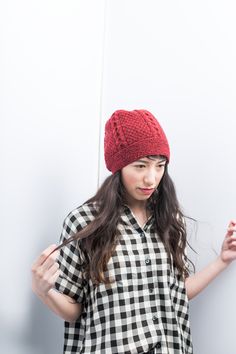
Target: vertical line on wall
(101,89)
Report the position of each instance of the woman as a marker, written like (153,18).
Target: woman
(122,279)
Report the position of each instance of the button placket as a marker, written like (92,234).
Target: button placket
(120,284)
(151,290)
(142,235)
(155,318)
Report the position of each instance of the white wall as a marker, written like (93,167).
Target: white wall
(60,74)
(177,59)
(51,59)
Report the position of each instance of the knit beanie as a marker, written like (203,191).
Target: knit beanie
(130,135)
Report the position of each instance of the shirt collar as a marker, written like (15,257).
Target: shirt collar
(128,216)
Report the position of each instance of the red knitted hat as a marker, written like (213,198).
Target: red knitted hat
(130,135)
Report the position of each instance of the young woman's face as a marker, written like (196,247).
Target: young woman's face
(141,178)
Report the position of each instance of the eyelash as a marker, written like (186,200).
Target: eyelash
(140,166)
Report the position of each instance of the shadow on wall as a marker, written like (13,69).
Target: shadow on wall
(45,330)
(45,334)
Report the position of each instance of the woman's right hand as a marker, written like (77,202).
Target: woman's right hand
(45,271)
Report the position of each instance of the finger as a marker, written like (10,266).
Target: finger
(43,256)
(50,260)
(230,234)
(52,270)
(233,248)
(49,282)
(232,243)
(232,223)
(55,276)
(230,238)
(44,276)
(232,228)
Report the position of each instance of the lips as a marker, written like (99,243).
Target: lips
(146,190)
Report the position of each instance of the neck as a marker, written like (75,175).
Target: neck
(138,206)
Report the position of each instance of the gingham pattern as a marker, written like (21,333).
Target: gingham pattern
(145,307)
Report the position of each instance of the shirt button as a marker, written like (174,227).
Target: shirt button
(158,345)
(142,235)
(154,318)
(151,290)
(147,261)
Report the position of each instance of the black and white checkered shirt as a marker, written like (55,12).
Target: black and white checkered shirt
(145,307)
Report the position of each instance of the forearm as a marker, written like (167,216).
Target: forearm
(197,282)
(62,305)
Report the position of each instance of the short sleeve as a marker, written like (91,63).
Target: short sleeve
(71,281)
(186,261)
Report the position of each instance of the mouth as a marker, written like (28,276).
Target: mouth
(146,190)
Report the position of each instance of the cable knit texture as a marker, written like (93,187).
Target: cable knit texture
(130,135)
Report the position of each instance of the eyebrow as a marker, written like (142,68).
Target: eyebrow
(144,161)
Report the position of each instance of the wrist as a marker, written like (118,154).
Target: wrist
(221,263)
(44,296)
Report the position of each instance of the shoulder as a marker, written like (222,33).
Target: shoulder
(79,217)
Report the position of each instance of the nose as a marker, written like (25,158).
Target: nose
(150,177)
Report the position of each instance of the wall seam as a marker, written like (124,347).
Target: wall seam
(101,91)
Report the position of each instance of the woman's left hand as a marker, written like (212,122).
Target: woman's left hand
(228,249)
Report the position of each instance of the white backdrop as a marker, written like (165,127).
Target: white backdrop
(64,68)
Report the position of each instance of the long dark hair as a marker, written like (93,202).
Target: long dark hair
(99,238)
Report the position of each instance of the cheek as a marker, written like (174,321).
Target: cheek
(129,181)
(161,175)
